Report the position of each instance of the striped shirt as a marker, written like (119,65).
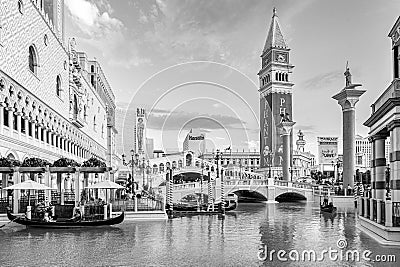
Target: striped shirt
(355,192)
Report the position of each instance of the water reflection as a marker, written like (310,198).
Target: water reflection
(194,241)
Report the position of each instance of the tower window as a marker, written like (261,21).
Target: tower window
(33,62)
(276,76)
(58,86)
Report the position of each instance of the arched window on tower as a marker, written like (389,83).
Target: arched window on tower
(286,77)
(276,76)
(33,61)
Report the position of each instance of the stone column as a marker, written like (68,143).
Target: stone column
(39,128)
(286,128)
(372,193)
(10,120)
(18,114)
(347,99)
(394,128)
(379,166)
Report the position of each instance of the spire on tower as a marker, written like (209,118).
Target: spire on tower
(275,36)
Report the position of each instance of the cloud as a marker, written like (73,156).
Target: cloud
(253,144)
(177,120)
(104,32)
(89,18)
(323,80)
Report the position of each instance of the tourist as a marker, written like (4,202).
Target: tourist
(348,189)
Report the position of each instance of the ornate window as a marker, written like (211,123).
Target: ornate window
(33,60)
(58,86)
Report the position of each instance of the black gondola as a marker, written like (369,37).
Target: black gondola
(229,206)
(70,223)
(327,207)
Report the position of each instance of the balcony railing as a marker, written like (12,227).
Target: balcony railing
(143,204)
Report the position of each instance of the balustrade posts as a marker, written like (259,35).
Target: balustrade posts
(371,209)
(388,213)
(290,184)
(378,211)
(271,181)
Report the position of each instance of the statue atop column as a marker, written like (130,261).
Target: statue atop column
(347,75)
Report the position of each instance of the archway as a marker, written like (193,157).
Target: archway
(290,197)
(248,196)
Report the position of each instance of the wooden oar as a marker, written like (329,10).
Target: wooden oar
(8,222)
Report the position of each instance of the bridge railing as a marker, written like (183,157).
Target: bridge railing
(302,185)
(186,186)
(281,183)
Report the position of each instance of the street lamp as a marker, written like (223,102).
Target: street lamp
(218,156)
(131,163)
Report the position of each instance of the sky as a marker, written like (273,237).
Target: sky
(194,63)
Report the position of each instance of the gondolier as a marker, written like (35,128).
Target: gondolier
(356,187)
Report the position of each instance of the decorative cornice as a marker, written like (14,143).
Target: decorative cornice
(393,124)
(382,111)
(347,98)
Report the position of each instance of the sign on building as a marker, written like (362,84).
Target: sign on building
(327,149)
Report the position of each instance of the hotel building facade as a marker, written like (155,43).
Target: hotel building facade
(54,101)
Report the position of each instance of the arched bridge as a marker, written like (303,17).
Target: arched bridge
(268,189)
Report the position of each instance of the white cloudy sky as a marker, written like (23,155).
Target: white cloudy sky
(194,63)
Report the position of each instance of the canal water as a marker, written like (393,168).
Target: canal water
(238,240)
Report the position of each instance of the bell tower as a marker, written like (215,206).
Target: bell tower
(275,95)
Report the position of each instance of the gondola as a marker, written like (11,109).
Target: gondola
(229,206)
(69,223)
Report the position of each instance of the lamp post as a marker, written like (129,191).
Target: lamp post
(131,163)
(387,182)
(218,156)
(148,172)
(270,156)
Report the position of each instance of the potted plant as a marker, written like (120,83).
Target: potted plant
(64,165)
(34,165)
(93,165)
(7,165)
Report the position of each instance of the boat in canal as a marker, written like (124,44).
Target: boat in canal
(67,223)
(327,207)
(231,203)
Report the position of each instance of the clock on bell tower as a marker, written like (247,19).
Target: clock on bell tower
(275,94)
